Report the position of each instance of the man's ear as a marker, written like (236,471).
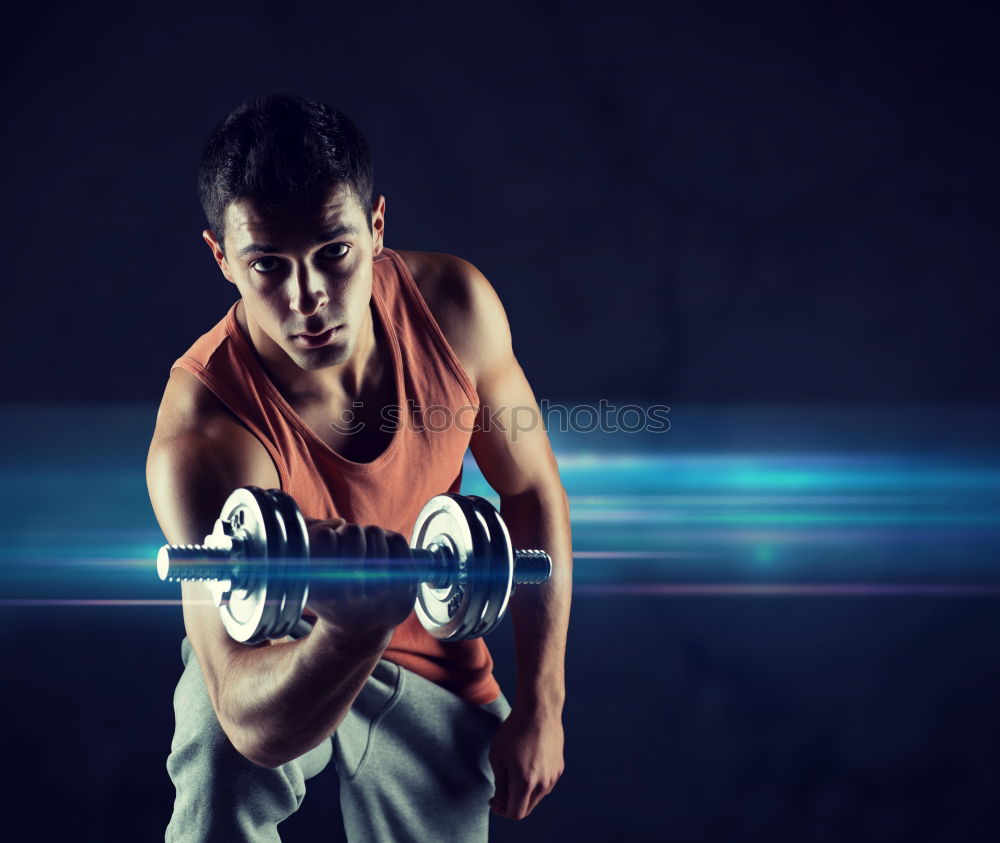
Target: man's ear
(378,224)
(217,253)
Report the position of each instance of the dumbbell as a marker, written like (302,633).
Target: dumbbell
(256,563)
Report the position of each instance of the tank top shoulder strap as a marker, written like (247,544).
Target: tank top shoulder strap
(414,320)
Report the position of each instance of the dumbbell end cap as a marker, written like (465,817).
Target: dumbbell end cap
(163,562)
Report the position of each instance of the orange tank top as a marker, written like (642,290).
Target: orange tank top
(423,459)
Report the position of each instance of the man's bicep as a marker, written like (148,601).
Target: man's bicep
(510,444)
(189,477)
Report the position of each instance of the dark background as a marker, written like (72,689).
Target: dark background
(768,202)
(787,205)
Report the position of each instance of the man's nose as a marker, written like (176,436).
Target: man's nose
(308,291)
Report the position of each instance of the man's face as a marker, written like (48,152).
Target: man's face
(304,271)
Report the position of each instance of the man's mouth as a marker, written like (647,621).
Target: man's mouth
(315,340)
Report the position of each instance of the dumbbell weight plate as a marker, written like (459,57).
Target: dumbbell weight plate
(277,579)
(478,565)
(252,610)
(483,572)
(295,590)
(451,613)
(501,573)
(487,568)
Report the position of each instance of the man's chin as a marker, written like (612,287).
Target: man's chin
(321,358)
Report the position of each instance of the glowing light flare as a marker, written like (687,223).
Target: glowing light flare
(626,590)
(651,517)
(791,590)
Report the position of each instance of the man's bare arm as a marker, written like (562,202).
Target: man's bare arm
(514,454)
(273,701)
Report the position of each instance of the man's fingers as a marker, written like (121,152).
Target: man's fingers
(350,551)
(400,553)
(537,795)
(324,540)
(524,799)
(499,804)
(398,545)
(376,553)
(376,544)
(499,801)
(518,798)
(332,523)
(350,540)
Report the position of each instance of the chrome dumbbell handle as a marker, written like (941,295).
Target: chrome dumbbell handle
(199,562)
(440,567)
(194,562)
(532,567)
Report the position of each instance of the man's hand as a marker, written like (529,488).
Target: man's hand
(527,761)
(370,605)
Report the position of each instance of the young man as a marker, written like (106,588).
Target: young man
(320,380)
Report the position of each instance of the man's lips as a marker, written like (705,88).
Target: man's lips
(315,340)
(311,339)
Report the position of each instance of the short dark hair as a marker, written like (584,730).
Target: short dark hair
(276,147)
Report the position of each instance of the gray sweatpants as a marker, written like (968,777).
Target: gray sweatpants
(411,756)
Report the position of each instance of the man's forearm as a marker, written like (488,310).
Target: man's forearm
(277,702)
(540,519)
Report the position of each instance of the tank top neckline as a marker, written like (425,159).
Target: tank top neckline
(249,355)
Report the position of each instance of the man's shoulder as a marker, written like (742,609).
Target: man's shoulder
(443,280)
(187,402)
(191,417)
(189,407)
(456,291)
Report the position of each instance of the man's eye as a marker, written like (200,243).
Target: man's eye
(336,250)
(266,264)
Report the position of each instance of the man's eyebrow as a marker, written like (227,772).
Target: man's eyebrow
(322,237)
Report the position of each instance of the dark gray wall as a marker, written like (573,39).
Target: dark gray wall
(795,202)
